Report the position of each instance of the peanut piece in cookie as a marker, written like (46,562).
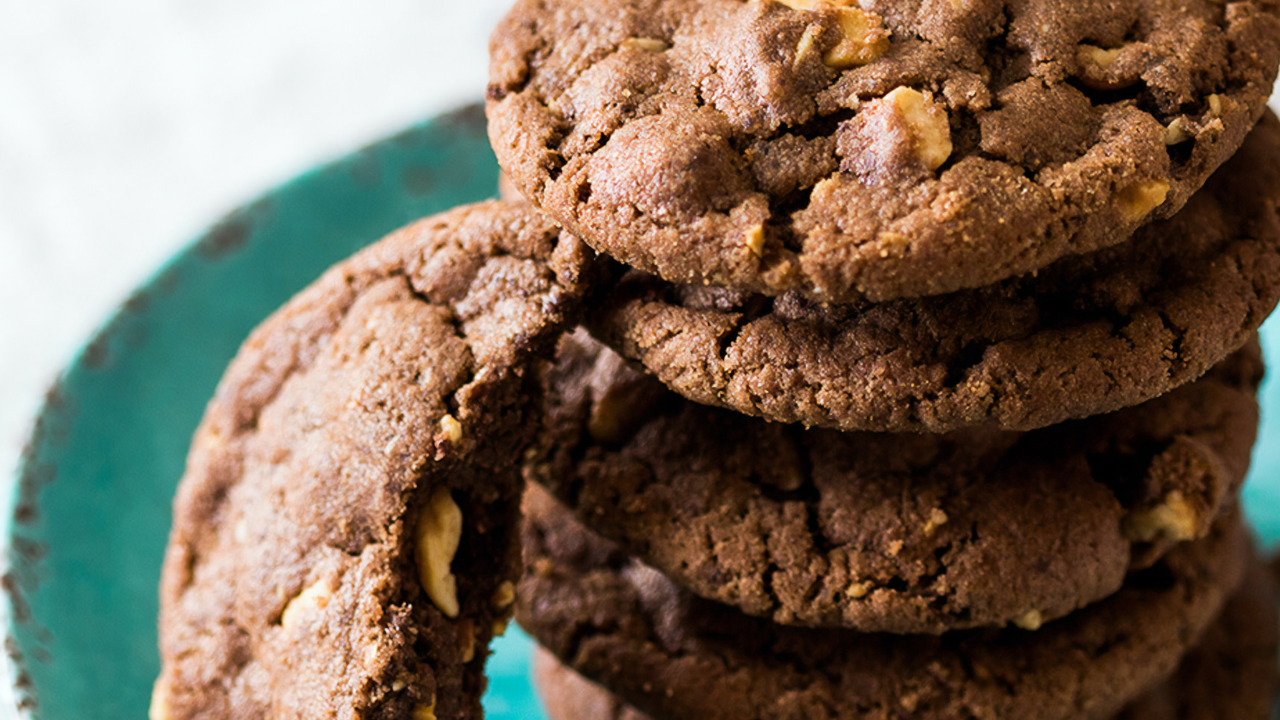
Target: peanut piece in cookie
(1139,199)
(1173,519)
(906,133)
(439,532)
(862,34)
(314,598)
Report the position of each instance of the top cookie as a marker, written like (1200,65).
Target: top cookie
(344,538)
(870,150)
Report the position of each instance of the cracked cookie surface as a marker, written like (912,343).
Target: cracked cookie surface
(902,533)
(344,541)
(670,655)
(1090,334)
(871,150)
(1229,675)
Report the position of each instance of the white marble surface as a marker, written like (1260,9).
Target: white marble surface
(127,126)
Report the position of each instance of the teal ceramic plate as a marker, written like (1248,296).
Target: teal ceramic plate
(92,506)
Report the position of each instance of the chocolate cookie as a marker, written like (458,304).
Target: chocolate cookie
(900,533)
(674,656)
(344,539)
(870,150)
(1230,675)
(1091,334)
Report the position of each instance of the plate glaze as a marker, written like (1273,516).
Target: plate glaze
(92,503)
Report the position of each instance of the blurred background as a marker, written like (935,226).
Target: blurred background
(127,127)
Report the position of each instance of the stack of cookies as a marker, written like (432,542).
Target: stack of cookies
(915,378)
(923,383)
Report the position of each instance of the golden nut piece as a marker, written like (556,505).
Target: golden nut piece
(1100,57)
(652,45)
(925,121)
(1029,620)
(503,595)
(858,590)
(754,240)
(863,39)
(862,34)
(467,640)
(937,518)
(1139,199)
(424,712)
(313,598)
(1173,519)
(439,532)
(813,4)
(451,428)
(1176,133)
(159,709)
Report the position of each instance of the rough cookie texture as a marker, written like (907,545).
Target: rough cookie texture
(900,533)
(1090,334)
(871,150)
(670,655)
(1230,675)
(344,540)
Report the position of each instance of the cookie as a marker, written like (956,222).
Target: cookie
(872,150)
(671,655)
(345,539)
(902,533)
(1091,334)
(1230,675)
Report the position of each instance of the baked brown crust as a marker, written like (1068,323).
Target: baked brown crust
(390,389)
(1091,334)
(670,655)
(1230,675)
(713,141)
(901,533)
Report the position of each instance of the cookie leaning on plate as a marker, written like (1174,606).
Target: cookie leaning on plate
(1090,334)
(902,533)
(878,149)
(1229,675)
(344,539)
(674,656)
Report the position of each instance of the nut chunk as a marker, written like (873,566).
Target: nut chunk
(862,37)
(905,133)
(315,568)
(439,533)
